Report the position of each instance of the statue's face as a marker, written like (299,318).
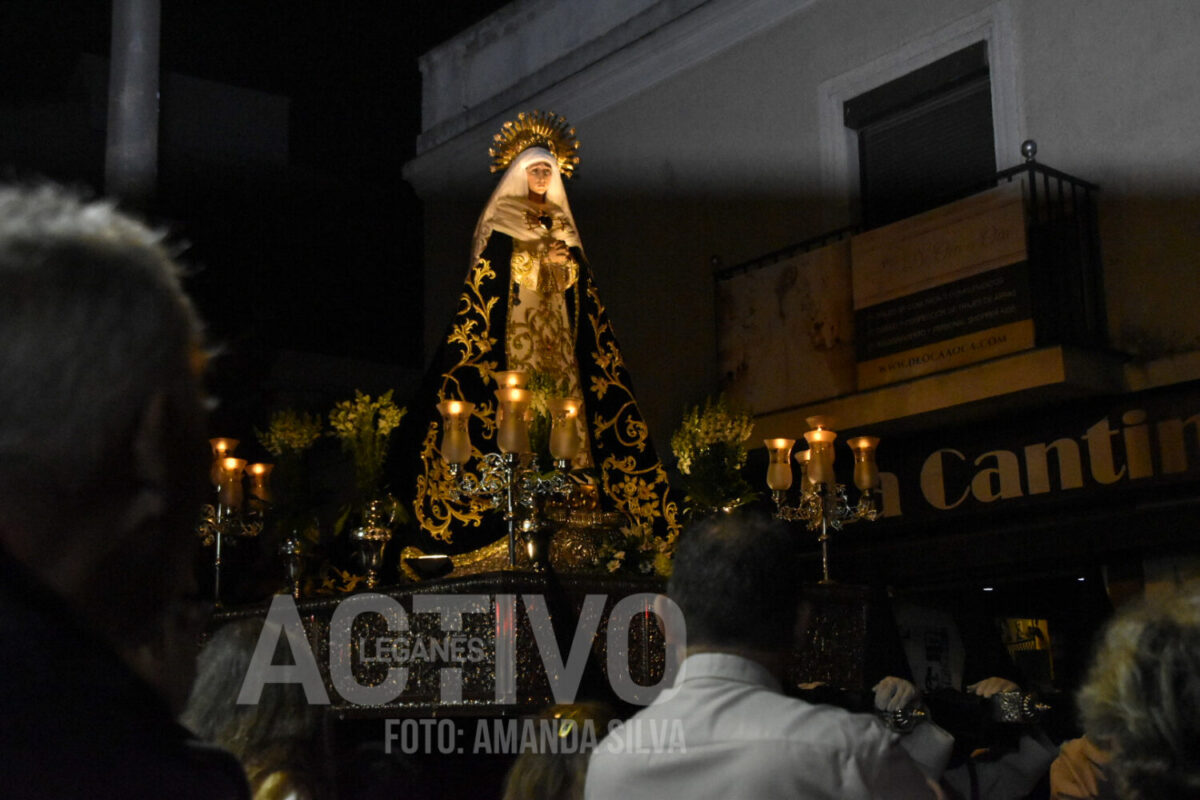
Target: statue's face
(539,176)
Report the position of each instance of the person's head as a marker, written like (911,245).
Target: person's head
(515,187)
(534,170)
(276,733)
(1141,698)
(213,713)
(102,450)
(539,174)
(560,774)
(737,582)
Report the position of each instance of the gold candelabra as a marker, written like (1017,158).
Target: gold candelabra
(512,478)
(823,503)
(232,516)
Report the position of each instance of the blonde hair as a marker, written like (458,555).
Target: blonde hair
(1141,698)
(558,776)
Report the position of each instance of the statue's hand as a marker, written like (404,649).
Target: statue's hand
(557,254)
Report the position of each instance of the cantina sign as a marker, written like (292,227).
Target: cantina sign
(1143,442)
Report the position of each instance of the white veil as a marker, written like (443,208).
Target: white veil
(515,184)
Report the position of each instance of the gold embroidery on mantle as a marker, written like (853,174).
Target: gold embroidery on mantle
(434,506)
(642,494)
(530,271)
(541,339)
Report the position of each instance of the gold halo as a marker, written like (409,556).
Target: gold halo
(538,129)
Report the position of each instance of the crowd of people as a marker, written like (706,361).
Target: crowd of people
(103,460)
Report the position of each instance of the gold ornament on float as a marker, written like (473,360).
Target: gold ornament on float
(537,129)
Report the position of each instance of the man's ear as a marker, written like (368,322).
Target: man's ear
(660,607)
(149,458)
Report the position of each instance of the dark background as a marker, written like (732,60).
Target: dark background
(315,248)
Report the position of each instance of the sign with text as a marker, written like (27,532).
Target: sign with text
(943,289)
(1082,452)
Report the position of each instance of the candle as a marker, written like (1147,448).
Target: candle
(260,474)
(456,440)
(511,379)
(259,487)
(564,431)
(512,435)
(820,462)
(866,472)
(221,448)
(779,467)
(802,457)
(229,492)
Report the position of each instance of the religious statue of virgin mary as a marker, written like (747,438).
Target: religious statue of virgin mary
(529,303)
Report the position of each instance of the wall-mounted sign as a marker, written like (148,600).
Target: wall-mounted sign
(942,289)
(1083,452)
(785,330)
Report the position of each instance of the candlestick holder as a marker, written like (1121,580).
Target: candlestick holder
(221,526)
(293,555)
(512,479)
(823,504)
(229,520)
(516,485)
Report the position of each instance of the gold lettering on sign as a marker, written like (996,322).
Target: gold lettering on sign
(1000,481)
(1137,445)
(1100,453)
(933,481)
(947,354)
(1000,472)
(1172,448)
(1037,468)
(889,487)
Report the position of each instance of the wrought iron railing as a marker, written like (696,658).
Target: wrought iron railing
(1063,251)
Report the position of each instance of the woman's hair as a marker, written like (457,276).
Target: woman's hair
(1141,698)
(559,774)
(272,737)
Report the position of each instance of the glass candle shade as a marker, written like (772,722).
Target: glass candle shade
(456,441)
(221,448)
(260,482)
(866,472)
(564,428)
(820,462)
(779,465)
(511,379)
(512,435)
(801,458)
(229,491)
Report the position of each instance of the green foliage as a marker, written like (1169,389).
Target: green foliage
(710,450)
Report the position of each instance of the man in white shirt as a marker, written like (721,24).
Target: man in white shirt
(725,729)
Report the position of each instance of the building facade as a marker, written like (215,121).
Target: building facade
(715,137)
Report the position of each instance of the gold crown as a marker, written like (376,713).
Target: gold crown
(538,129)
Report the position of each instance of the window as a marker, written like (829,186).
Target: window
(925,138)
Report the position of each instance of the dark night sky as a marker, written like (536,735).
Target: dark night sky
(320,254)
